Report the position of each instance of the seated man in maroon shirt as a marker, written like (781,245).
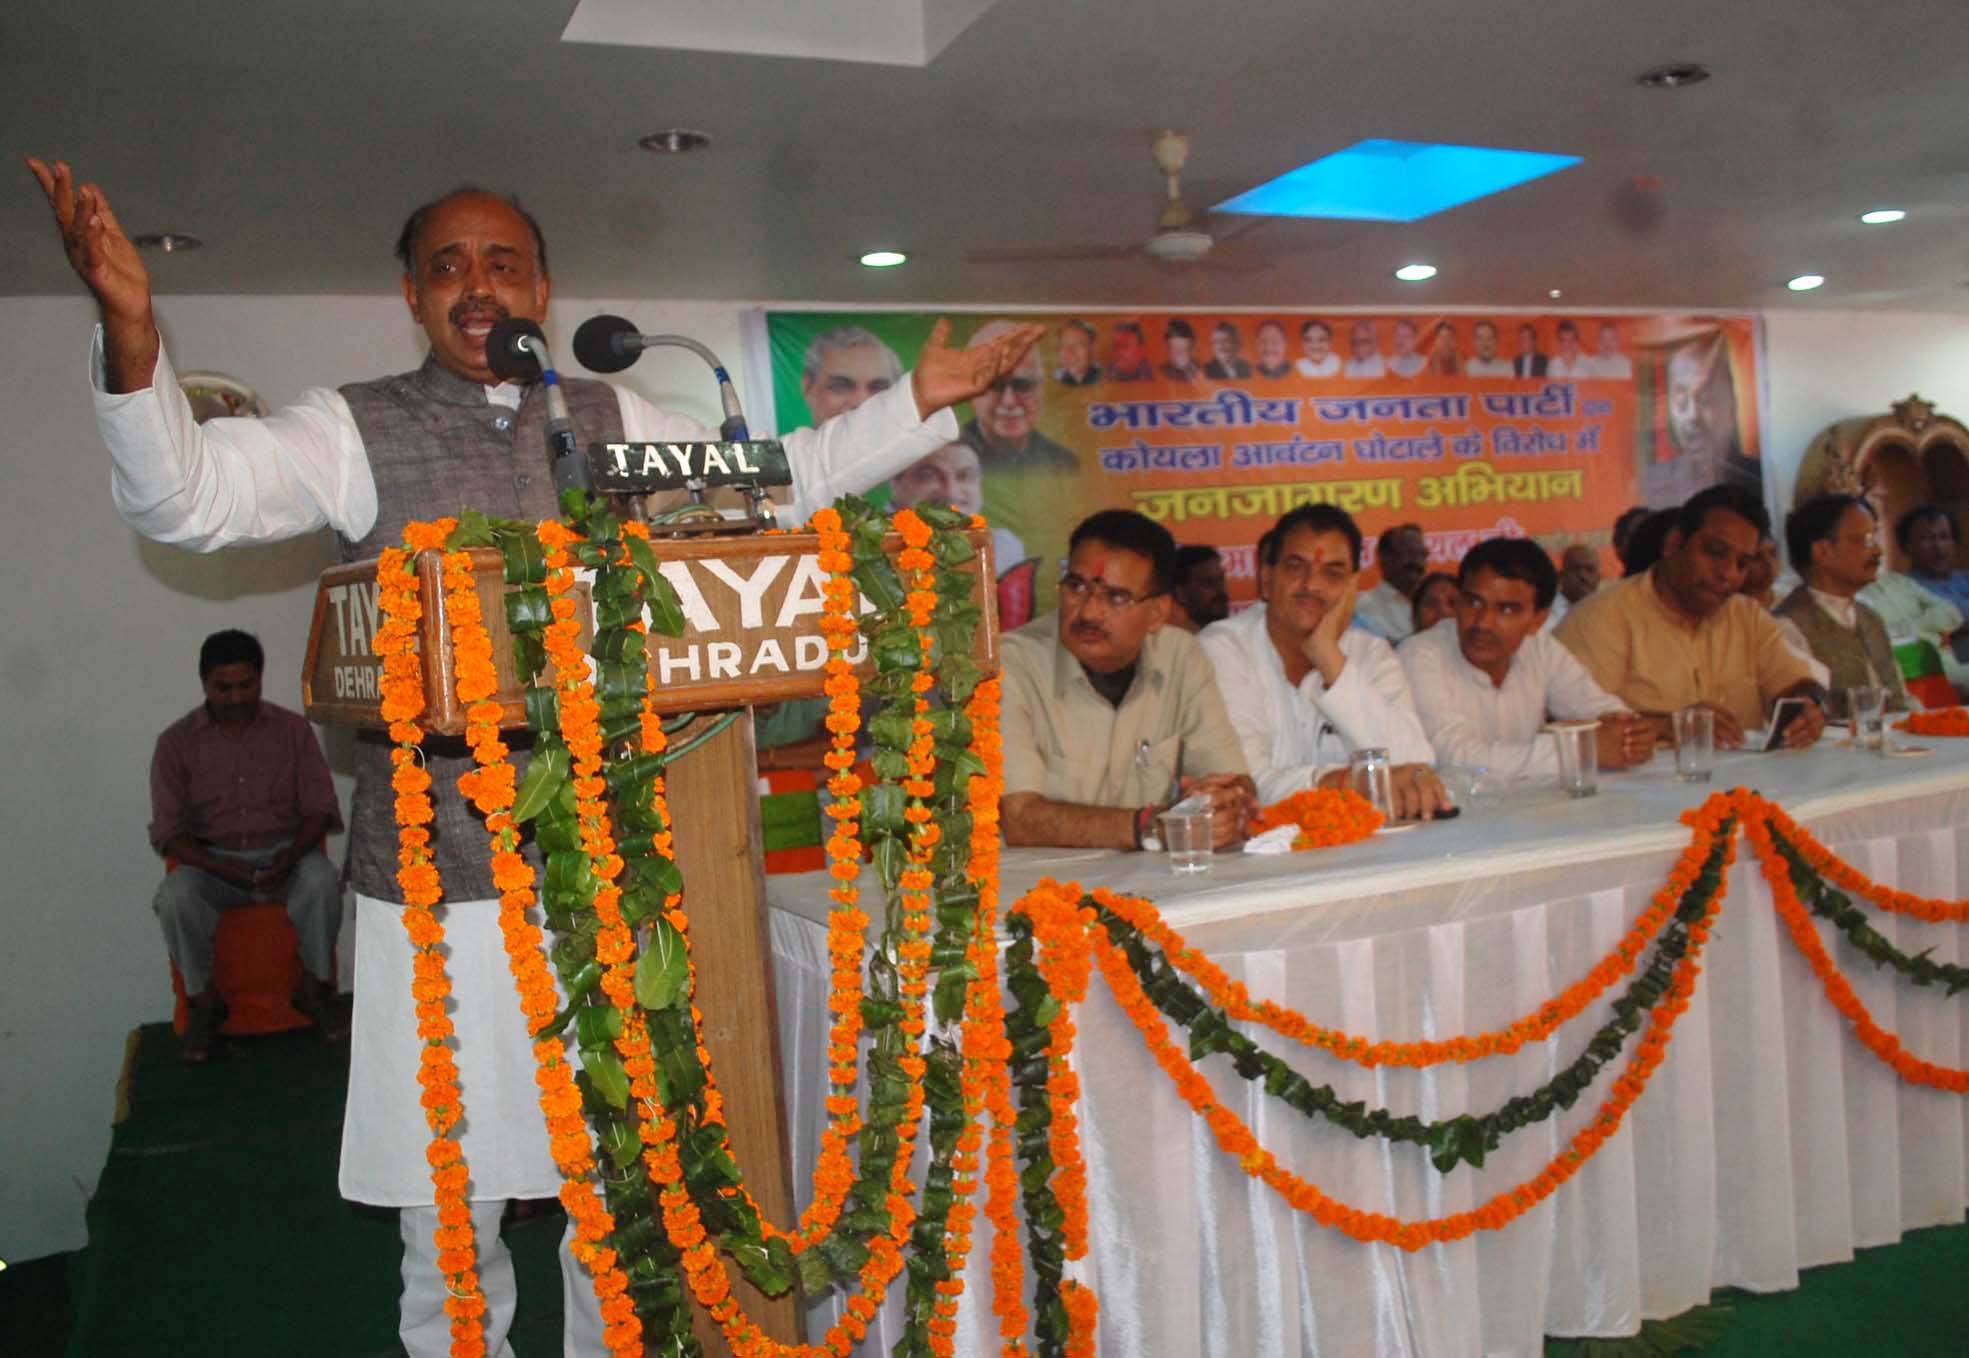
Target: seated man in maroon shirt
(241,798)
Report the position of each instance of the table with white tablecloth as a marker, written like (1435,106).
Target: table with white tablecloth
(1769,1140)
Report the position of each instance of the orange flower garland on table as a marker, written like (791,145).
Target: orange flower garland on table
(1236,1139)
(1936,721)
(1232,997)
(417,876)
(1325,817)
(1841,874)
(1798,923)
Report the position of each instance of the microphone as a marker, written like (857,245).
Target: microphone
(608,344)
(516,349)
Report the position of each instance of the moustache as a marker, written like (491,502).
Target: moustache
(1093,631)
(478,306)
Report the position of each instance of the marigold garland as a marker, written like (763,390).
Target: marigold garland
(1325,816)
(1232,997)
(1843,875)
(1936,721)
(1235,1138)
(417,876)
(1838,990)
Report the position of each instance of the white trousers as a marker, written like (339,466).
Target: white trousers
(426,1330)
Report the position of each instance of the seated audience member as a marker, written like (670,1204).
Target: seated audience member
(1680,635)
(1579,573)
(1402,553)
(1435,599)
(240,799)
(1485,682)
(1835,542)
(1760,586)
(1911,611)
(1623,529)
(1197,593)
(1645,541)
(1303,688)
(1109,714)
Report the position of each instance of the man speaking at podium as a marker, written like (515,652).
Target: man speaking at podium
(366,460)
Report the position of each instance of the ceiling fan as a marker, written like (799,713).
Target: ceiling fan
(1178,240)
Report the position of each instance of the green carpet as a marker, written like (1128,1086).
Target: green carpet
(215,1231)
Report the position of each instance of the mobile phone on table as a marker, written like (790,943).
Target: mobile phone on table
(1782,715)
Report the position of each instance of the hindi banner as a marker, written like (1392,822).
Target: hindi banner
(1474,426)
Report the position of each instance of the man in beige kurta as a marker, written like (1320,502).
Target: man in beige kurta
(1110,714)
(1680,635)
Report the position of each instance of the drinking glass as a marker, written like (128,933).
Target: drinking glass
(1695,744)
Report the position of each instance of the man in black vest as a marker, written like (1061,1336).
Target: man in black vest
(365,460)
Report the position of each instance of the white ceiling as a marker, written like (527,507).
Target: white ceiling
(294,137)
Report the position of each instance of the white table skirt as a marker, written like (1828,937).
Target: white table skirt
(1768,1141)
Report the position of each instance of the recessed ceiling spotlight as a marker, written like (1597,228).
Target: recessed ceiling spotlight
(674,142)
(1805,282)
(1673,76)
(1556,293)
(884,259)
(1416,273)
(170,242)
(1880,216)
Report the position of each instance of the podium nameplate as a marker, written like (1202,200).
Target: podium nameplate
(752,607)
(641,468)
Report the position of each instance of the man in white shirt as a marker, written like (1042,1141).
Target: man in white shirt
(470,260)
(1404,361)
(1571,360)
(1304,689)
(1316,346)
(1484,360)
(1607,360)
(1387,610)
(1486,681)
(1366,361)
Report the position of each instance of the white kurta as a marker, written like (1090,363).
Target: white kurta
(1291,735)
(1386,612)
(1476,723)
(302,469)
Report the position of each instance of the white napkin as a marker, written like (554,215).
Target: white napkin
(1278,839)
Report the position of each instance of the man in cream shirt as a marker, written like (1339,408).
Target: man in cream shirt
(1304,689)
(1110,714)
(1487,679)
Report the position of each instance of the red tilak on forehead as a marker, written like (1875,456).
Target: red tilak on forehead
(1097,562)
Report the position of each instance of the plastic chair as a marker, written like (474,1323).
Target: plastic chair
(256,963)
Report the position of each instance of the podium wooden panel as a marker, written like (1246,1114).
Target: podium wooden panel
(752,607)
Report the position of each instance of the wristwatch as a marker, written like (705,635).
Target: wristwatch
(1148,838)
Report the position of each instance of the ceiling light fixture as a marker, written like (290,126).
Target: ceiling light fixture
(170,242)
(1805,282)
(1556,293)
(1880,216)
(674,142)
(1416,273)
(884,259)
(1673,76)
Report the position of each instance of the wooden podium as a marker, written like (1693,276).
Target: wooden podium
(752,606)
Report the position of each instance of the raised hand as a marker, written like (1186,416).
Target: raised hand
(107,262)
(1322,645)
(944,376)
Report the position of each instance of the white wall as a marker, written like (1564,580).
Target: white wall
(1825,366)
(102,629)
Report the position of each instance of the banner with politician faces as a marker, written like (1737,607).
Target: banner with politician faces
(1472,425)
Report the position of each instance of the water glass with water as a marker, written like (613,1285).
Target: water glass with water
(1186,834)
(1372,775)
(1866,710)
(1695,744)
(1579,756)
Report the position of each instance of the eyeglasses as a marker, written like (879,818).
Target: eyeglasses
(1023,386)
(1074,589)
